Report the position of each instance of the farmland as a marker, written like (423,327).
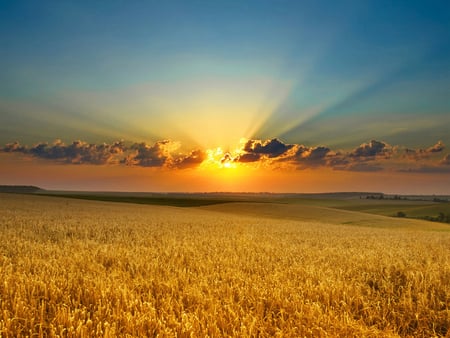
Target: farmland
(81,268)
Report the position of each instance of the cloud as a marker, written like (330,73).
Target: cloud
(271,148)
(159,154)
(14,147)
(192,160)
(446,160)
(365,157)
(78,152)
(226,158)
(368,157)
(431,165)
(339,161)
(317,153)
(258,150)
(156,155)
(248,158)
(311,156)
(418,154)
(438,147)
(372,149)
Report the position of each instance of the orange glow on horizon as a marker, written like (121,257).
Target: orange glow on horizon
(211,176)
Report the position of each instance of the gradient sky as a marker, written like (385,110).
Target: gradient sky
(298,96)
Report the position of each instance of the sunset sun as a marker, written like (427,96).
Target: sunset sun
(227,165)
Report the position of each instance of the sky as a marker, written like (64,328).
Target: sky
(260,96)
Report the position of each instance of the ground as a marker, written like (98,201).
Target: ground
(73,267)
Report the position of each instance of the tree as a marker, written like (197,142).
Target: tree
(401,214)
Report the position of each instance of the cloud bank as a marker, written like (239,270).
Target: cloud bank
(367,157)
(78,152)
(159,154)
(372,156)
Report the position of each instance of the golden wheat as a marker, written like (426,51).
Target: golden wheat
(74,268)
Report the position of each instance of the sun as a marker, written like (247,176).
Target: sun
(217,158)
(225,161)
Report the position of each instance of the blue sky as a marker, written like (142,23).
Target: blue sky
(378,57)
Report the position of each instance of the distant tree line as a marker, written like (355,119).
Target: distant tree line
(443,218)
(19,188)
(440,200)
(375,197)
(405,198)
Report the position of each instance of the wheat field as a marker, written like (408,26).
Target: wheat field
(73,268)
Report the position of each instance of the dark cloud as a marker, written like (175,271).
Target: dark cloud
(248,158)
(192,160)
(311,156)
(339,161)
(226,158)
(301,149)
(437,148)
(258,150)
(368,157)
(160,155)
(14,147)
(418,154)
(150,155)
(413,153)
(318,153)
(372,149)
(271,148)
(365,157)
(140,154)
(432,167)
(78,152)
